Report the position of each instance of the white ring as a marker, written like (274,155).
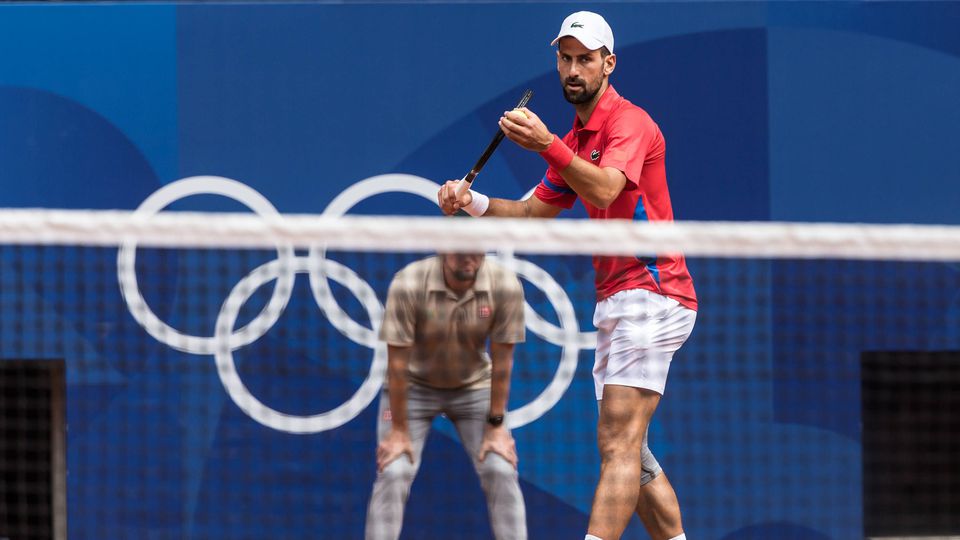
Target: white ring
(375,185)
(569,340)
(241,395)
(340,205)
(569,336)
(130,290)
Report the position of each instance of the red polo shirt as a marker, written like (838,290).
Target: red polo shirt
(621,135)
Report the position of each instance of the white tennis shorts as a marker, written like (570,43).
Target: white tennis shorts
(637,333)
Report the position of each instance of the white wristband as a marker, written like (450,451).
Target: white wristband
(478,206)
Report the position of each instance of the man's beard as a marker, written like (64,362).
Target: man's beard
(465,275)
(584,95)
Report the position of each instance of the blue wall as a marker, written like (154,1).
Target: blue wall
(772,111)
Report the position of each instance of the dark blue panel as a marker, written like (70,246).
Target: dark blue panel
(931,24)
(780,531)
(862,129)
(117,60)
(708,93)
(57,153)
(826,313)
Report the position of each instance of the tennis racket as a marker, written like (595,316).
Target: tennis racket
(467,180)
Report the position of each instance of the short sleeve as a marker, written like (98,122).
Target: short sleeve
(554,191)
(400,313)
(628,140)
(508,324)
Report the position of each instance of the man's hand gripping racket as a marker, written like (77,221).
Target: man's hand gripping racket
(467,180)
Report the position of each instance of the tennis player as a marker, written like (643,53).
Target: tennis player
(440,313)
(613,161)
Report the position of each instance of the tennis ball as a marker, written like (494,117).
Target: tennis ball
(517,114)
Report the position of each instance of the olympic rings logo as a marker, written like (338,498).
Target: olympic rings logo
(319,269)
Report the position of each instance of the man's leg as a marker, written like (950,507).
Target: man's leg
(638,333)
(659,509)
(625,413)
(498,478)
(657,505)
(392,486)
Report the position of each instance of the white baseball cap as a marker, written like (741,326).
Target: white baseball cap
(589,28)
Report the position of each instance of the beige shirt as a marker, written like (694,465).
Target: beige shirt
(448,333)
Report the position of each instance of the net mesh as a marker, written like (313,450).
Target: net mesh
(223,372)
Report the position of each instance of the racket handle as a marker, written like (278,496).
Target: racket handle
(465,183)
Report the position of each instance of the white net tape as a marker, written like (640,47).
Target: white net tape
(532,236)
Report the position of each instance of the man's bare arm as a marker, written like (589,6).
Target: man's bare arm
(596,185)
(501,356)
(397,360)
(529,207)
(397,441)
(497,438)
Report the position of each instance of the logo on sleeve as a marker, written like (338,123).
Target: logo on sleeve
(595,155)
